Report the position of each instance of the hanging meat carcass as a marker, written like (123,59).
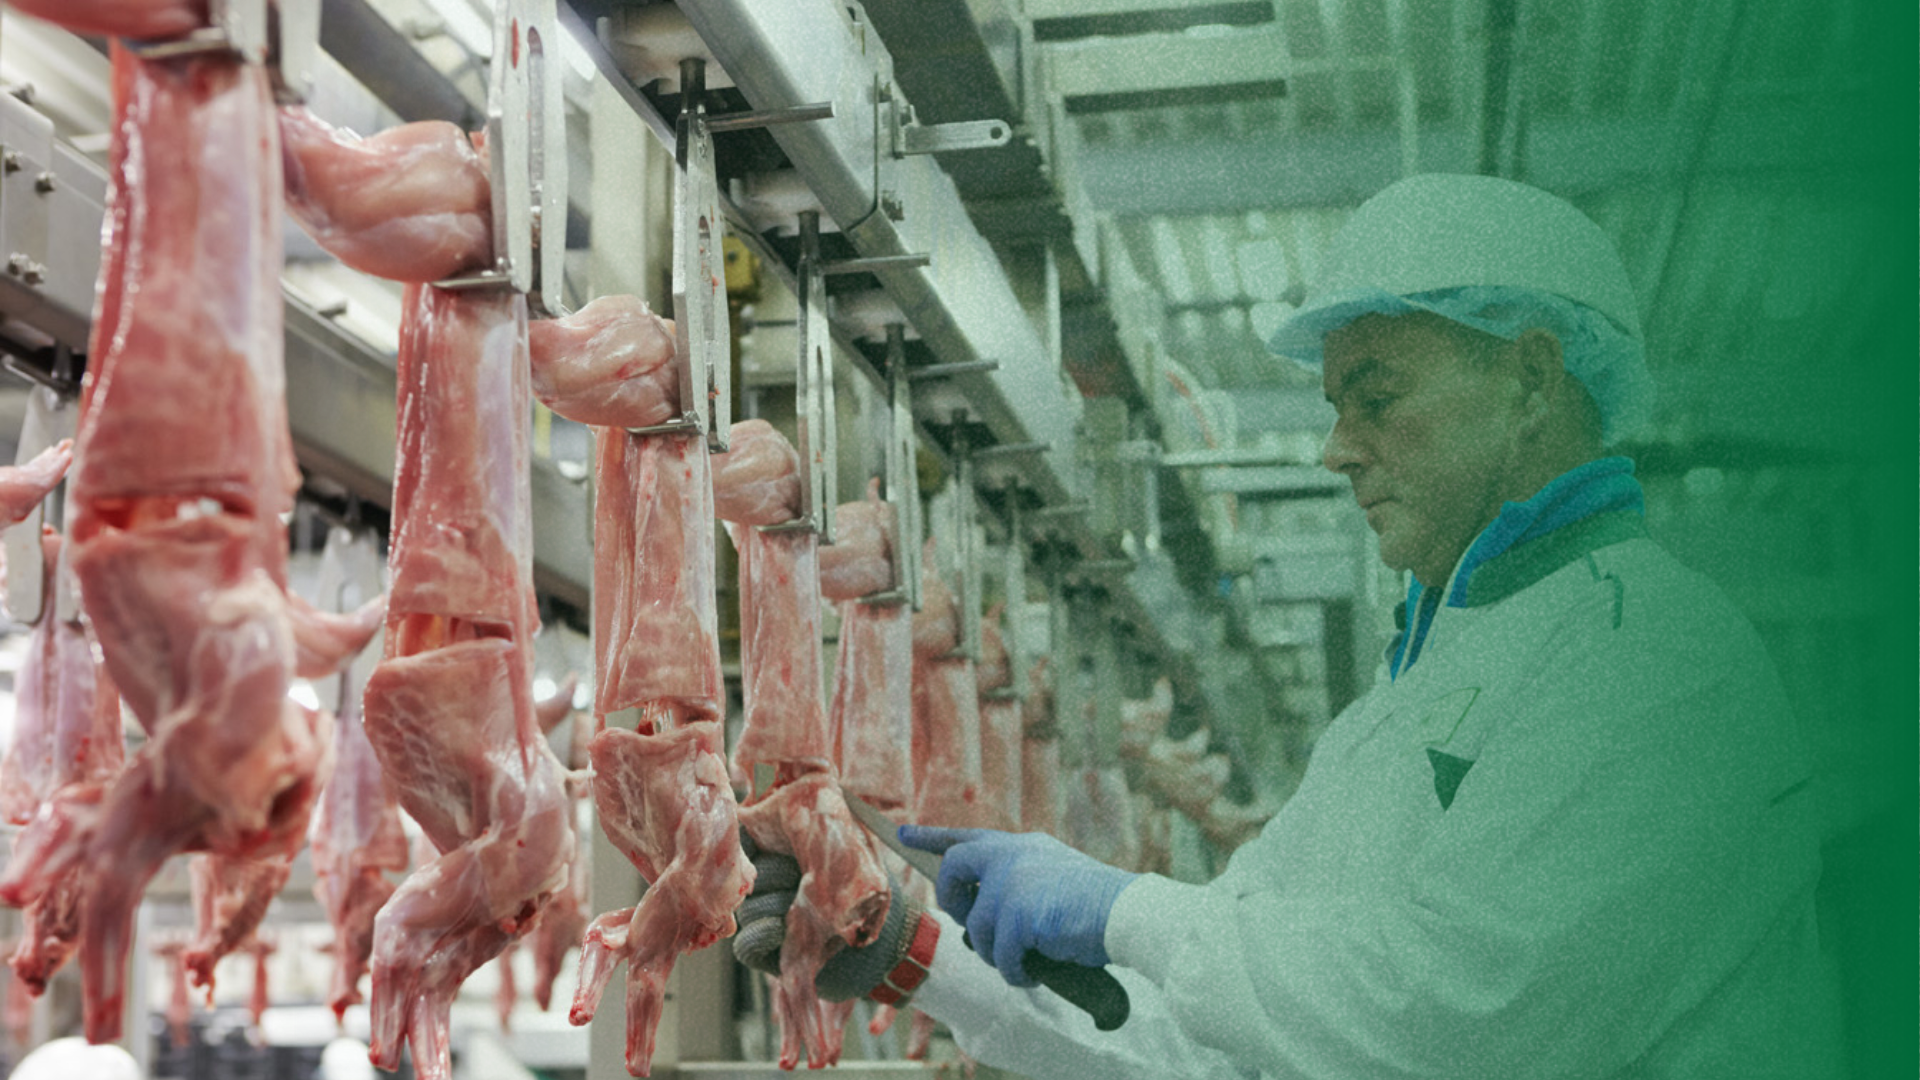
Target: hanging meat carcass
(1000,729)
(183,468)
(67,749)
(946,712)
(757,484)
(841,900)
(26,485)
(356,842)
(450,708)
(660,789)
(843,894)
(411,203)
(1039,756)
(870,714)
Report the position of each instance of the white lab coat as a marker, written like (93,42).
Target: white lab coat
(1620,886)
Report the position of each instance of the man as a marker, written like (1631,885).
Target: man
(1568,833)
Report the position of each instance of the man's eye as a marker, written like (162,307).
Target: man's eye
(1376,404)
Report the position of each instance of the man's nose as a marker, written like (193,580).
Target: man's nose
(1338,453)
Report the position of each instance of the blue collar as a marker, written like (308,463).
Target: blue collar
(1599,487)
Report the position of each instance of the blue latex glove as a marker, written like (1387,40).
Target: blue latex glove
(1020,891)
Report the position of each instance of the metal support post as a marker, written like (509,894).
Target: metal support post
(813,393)
(903,478)
(527,158)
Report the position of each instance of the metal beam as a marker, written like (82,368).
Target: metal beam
(1163,63)
(1568,156)
(788,54)
(1080,9)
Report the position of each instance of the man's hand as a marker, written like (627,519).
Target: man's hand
(1020,891)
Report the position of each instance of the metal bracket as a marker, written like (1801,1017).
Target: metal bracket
(235,27)
(1014,572)
(813,388)
(903,478)
(699,270)
(875,264)
(966,561)
(50,418)
(284,35)
(295,47)
(912,137)
(945,371)
(527,157)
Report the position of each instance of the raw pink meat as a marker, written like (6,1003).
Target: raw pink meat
(16,1016)
(23,486)
(1040,785)
(450,709)
(1039,755)
(662,791)
(946,745)
(134,19)
(859,562)
(1144,720)
(946,714)
(356,840)
(841,900)
(757,482)
(1183,775)
(323,640)
(180,1001)
(936,626)
(564,920)
(1000,730)
(786,719)
(506,993)
(230,897)
(562,925)
(258,1000)
(610,364)
(551,711)
(411,203)
(665,802)
(64,733)
(655,627)
(1156,838)
(183,466)
(1099,818)
(67,748)
(872,712)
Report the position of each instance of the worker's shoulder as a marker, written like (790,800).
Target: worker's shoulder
(1634,601)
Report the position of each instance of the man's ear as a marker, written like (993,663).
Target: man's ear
(1540,369)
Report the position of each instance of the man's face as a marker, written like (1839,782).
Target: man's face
(1426,433)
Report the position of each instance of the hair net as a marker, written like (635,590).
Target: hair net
(1609,362)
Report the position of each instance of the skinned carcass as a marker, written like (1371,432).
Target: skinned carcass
(450,708)
(183,468)
(660,788)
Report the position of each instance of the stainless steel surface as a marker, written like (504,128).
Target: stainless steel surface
(50,207)
(814,50)
(759,118)
(527,150)
(813,388)
(884,830)
(699,272)
(903,473)
(948,138)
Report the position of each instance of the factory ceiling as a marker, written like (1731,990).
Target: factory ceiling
(1722,145)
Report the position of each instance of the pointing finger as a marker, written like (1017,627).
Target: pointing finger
(936,840)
